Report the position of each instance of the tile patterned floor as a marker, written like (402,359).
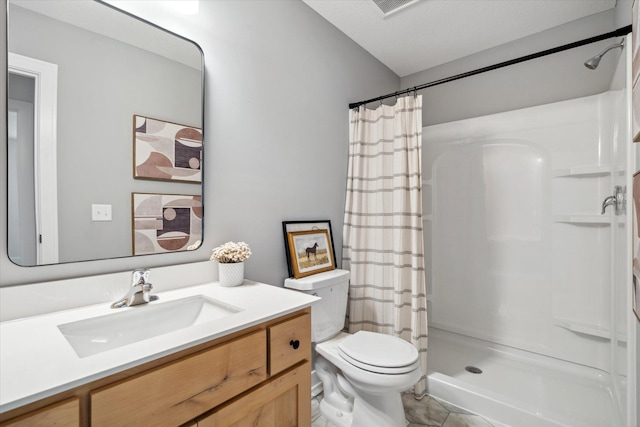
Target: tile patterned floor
(428,412)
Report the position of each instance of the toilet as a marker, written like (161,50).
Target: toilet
(362,374)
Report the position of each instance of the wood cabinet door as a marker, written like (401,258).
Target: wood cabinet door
(182,390)
(283,401)
(63,414)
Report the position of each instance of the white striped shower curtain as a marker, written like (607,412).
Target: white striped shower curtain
(383,240)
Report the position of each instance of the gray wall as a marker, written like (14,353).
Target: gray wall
(95,143)
(552,78)
(279,79)
(21,88)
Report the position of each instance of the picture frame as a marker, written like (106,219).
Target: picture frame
(635,71)
(163,223)
(166,151)
(635,215)
(311,252)
(635,113)
(635,42)
(305,225)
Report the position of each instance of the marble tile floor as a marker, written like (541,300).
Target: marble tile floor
(428,412)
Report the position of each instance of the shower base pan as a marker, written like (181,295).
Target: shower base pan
(517,388)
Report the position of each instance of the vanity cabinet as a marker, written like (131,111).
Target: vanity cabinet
(260,375)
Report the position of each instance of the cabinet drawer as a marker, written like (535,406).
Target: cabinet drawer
(282,401)
(66,413)
(180,391)
(289,343)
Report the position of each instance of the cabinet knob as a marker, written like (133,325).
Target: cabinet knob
(295,344)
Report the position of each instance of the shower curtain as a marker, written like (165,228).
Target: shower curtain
(382,238)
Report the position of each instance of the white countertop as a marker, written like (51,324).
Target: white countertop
(36,361)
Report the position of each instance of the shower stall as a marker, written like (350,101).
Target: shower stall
(528,282)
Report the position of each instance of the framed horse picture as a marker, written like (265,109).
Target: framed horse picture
(318,224)
(311,252)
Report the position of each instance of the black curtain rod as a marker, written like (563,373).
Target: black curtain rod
(617,33)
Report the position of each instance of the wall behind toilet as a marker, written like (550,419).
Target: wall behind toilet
(278,82)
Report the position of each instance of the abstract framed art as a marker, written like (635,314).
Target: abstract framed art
(166,151)
(311,252)
(165,222)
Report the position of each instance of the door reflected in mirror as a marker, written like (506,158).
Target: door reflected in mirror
(79,72)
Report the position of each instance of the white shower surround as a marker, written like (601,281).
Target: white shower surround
(521,257)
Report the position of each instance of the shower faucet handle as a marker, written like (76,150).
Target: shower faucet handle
(618,200)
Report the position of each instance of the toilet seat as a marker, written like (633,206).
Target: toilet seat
(379,353)
(365,379)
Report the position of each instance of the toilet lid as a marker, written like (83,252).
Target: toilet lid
(380,353)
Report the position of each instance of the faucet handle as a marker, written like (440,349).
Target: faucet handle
(618,200)
(140,276)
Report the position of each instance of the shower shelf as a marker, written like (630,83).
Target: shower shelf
(583,219)
(585,328)
(588,219)
(583,171)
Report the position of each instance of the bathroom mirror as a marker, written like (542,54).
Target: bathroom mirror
(93,94)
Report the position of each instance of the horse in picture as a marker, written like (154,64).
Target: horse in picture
(312,250)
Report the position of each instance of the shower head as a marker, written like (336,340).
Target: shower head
(592,63)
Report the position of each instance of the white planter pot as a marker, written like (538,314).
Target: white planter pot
(231,274)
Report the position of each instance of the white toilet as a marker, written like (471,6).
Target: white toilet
(362,374)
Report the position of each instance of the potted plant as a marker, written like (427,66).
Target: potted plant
(231,257)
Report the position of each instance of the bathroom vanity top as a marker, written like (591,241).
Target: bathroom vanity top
(37,361)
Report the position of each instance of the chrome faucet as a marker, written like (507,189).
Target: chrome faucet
(609,201)
(618,200)
(140,291)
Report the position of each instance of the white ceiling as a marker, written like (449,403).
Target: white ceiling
(428,33)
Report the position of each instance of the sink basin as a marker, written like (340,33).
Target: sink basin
(97,334)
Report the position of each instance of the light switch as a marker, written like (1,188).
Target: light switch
(101,212)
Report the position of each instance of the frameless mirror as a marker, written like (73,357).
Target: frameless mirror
(105,116)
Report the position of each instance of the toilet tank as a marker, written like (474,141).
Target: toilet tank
(328,313)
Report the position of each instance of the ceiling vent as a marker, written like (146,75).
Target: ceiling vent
(388,7)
